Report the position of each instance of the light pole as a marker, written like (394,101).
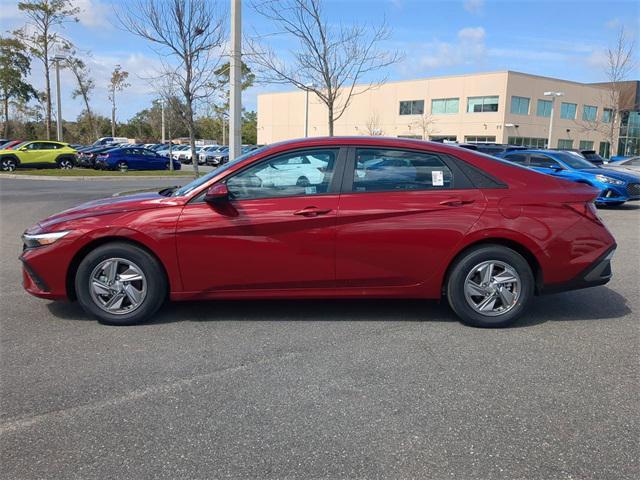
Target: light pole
(57,59)
(553,96)
(162,117)
(235,127)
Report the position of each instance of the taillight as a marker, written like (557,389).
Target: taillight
(586,209)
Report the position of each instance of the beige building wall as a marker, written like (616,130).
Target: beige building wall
(281,115)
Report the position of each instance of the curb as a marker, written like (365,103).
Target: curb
(105,177)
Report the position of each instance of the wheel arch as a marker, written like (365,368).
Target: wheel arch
(504,242)
(11,156)
(93,244)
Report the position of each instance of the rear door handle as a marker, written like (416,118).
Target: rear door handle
(312,211)
(456,202)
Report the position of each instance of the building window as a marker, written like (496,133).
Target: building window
(482,104)
(568,110)
(479,139)
(586,145)
(589,113)
(607,114)
(412,137)
(544,108)
(412,107)
(604,149)
(565,144)
(528,142)
(520,105)
(443,138)
(440,106)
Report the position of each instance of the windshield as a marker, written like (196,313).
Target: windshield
(574,160)
(198,182)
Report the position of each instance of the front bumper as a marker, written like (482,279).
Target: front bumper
(618,193)
(598,273)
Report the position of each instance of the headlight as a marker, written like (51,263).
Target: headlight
(42,239)
(605,179)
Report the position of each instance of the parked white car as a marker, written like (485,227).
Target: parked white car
(302,171)
(630,165)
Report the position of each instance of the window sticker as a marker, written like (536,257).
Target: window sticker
(437,178)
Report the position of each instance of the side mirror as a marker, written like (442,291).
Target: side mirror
(556,168)
(217,193)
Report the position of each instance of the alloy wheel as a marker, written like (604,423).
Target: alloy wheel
(8,165)
(492,288)
(66,164)
(118,286)
(123,167)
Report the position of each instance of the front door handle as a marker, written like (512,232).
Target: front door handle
(312,211)
(456,202)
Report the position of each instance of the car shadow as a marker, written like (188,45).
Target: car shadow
(624,206)
(600,303)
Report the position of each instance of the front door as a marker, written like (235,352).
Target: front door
(276,232)
(401,215)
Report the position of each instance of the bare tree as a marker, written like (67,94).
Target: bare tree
(327,60)
(620,63)
(39,35)
(192,34)
(373,125)
(425,123)
(117,83)
(84,88)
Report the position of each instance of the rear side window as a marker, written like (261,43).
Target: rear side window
(382,170)
(517,158)
(542,161)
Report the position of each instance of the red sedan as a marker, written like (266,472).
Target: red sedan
(330,218)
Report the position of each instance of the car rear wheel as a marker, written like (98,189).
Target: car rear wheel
(8,164)
(303,182)
(65,163)
(120,284)
(490,286)
(122,166)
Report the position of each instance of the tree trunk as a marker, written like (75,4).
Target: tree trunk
(330,118)
(192,135)
(113,114)
(612,133)
(6,114)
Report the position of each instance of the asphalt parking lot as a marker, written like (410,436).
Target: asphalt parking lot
(293,389)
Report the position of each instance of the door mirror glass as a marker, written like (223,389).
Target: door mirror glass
(217,193)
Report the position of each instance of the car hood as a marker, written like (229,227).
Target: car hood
(106,206)
(617,174)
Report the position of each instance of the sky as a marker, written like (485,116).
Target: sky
(564,39)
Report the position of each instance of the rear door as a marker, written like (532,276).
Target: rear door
(401,214)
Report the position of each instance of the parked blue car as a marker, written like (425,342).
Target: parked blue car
(615,187)
(133,158)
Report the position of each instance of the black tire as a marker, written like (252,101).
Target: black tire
(8,164)
(466,264)
(303,182)
(156,283)
(610,204)
(65,163)
(122,167)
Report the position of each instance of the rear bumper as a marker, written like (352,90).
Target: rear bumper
(598,273)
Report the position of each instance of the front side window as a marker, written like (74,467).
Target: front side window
(544,108)
(589,113)
(288,175)
(568,110)
(565,144)
(381,170)
(412,107)
(520,105)
(607,114)
(482,104)
(443,106)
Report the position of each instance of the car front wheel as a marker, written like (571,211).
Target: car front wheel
(490,286)
(120,284)
(122,166)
